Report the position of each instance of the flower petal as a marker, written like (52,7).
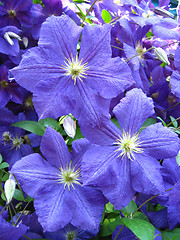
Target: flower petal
(133,110)
(159,141)
(54,149)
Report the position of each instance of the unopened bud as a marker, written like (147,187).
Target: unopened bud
(9,35)
(69,126)
(9,188)
(163,12)
(161,55)
(25,41)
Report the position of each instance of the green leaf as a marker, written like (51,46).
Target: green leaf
(128,210)
(30,199)
(173,235)
(178,158)
(147,123)
(110,224)
(174,122)
(5,177)
(4,165)
(106,16)
(1,158)
(163,122)
(141,228)
(3,196)
(18,195)
(52,123)
(31,126)
(115,121)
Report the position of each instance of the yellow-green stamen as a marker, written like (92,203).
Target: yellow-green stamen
(74,68)
(128,145)
(69,176)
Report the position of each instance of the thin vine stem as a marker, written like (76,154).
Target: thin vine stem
(119,232)
(20,188)
(89,10)
(21,214)
(172,122)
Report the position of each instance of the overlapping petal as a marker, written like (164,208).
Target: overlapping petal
(133,110)
(159,141)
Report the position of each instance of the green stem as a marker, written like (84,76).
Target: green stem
(139,54)
(119,232)
(89,10)
(13,209)
(21,214)
(170,107)
(20,188)
(3,209)
(172,122)
(10,212)
(149,200)
(117,47)
(27,237)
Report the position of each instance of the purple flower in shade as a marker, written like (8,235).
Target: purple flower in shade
(40,13)
(9,40)
(66,82)
(175,78)
(174,206)
(171,176)
(16,13)
(14,142)
(69,232)
(130,39)
(9,89)
(59,195)
(125,161)
(9,232)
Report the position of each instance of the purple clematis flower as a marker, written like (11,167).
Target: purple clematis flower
(9,89)
(14,142)
(16,13)
(59,195)
(64,81)
(125,162)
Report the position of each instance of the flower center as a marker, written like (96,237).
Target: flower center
(6,137)
(16,142)
(128,145)
(4,84)
(140,51)
(12,13)
(71,235)
(74,68)
(69,176)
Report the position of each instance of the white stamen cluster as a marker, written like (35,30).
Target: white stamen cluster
(14,142)
(140,51)
(74,68)
(128,145)
(69,176)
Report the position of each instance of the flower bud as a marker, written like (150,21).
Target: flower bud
(69,126)
(163,12)
(9,188)
(161,55)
